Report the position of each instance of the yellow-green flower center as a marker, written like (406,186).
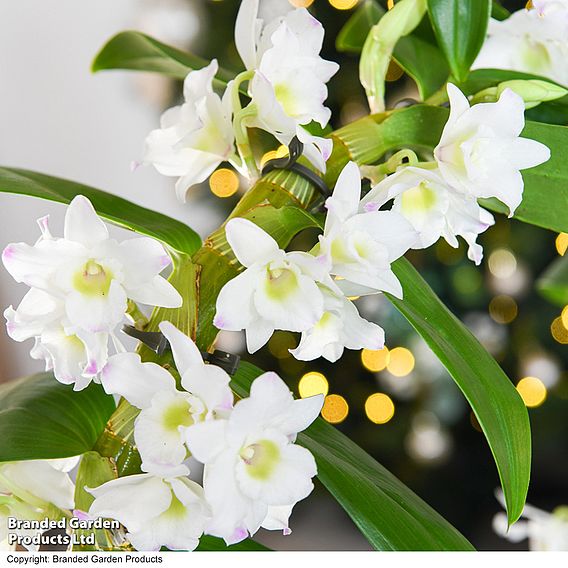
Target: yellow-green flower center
(92,279)
(177,414)
(261,458)
(285,97)
(176,509)
(419,199)
(280,283)
(561,513)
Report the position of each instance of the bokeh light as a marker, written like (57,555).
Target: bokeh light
(401,362)
(448,254)
(375,361)
(502,263)
(427,441)
(343,4)
(280,343)
(335,409)
(564,317)
(313,383)
(379,408)
(532,391)
(503,309)
(559,331)
(224,182)
(301,3)
(271,155)
(562,243)
(467,279)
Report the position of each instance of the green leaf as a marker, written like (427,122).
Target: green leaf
(553,284)
(94,470)
(212,544)
(496,403)
(545,197)
(498,12)
(424,62)
(138,52)
(387,512)
(419,58)
(460,27)
(120,211)
(352,35)
(42,419)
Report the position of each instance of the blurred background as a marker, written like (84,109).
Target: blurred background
(399,403)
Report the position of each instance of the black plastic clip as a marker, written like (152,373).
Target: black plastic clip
(155,340)
(290,162)
(158,343)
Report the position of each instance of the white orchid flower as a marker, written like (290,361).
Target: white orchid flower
(254,473)
(80,285)
(433,208)
(195,137)
(75,356)
(167,412)
(340,327)
(288,88)
(360,247)
(156,511)
(545,531)
(34,490)
(531,41)
(481,153)
(274,292)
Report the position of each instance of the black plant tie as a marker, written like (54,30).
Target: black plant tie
(158,343)
(290,162)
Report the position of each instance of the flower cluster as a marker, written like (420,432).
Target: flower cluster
(280,47)
(253,472)
(532,40)
(80,286)
(480,155)
(309,292)
(34,490)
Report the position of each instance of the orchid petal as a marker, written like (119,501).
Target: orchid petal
(82,224)
(137,382)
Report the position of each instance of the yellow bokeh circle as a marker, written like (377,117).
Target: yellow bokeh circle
(224,182)
(313,383)
(401,362)
(335,408)
(379,408)
(375,360)
(532,391)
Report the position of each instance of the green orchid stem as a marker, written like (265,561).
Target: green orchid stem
(426,165)
(139,320)
(242,139)
(439,97)
(239,124)
(398,158)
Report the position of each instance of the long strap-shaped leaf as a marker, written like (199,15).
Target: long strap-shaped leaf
(138,52)
(386,511)
(498,407)
(120,211)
